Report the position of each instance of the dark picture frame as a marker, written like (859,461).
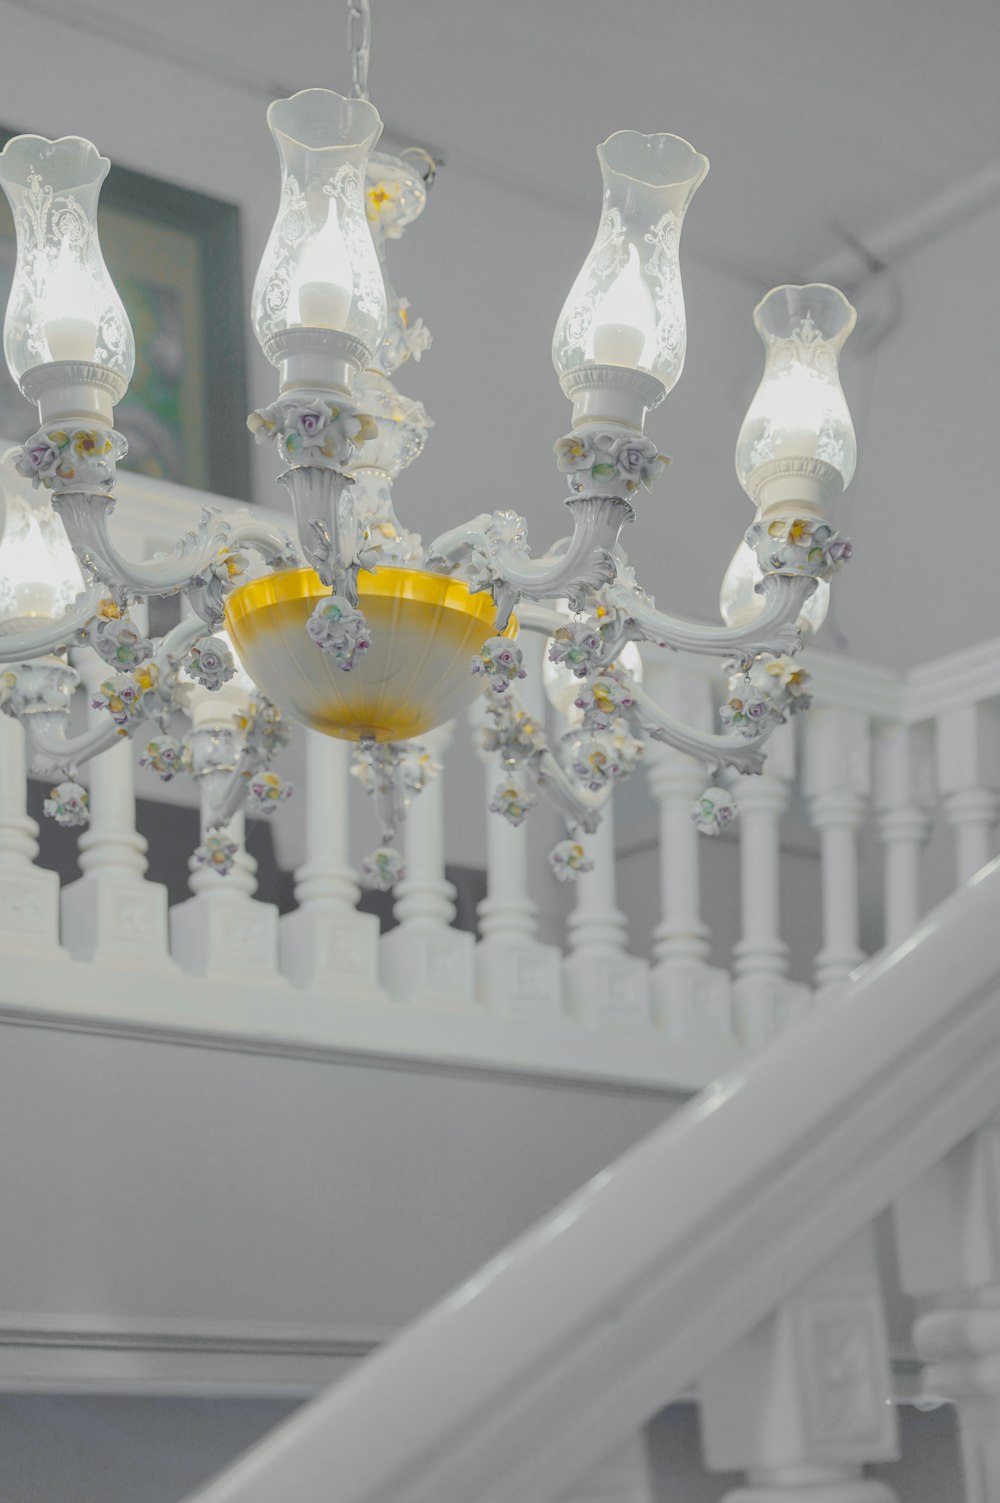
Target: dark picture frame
(175,256)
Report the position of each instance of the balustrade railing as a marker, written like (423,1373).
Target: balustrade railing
(880,753)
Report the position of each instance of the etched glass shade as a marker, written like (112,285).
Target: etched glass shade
(319,269)
(39,573)
(739,603)
(626,307)
(799,410)
(63,304)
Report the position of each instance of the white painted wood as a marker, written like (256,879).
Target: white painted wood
(605,987)
(765,1000)
(903,757)
(837,785)
(424,962)
(29,895)
(968,753)
(622,1296)
(325,944)
(948,1238)
(112,913)
(804,1400)
(515,973)
(689,997)
(221,931)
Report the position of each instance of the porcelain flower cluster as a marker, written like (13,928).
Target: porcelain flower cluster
(799,546)
(310,430)
(593,459)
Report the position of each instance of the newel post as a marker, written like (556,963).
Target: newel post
(802,1403)
(948,1239)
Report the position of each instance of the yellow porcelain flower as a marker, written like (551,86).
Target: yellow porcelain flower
(108,610)
(91,443)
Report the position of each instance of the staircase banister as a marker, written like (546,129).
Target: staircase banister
(522,1379)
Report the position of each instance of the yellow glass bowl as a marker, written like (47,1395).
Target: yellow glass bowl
(416,674)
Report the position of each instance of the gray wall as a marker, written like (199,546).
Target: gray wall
(117,1450)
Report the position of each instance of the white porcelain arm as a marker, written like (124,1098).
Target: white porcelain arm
(53,751)
(742,752)
(35,641)
(194,560)
(773,631)
(577,805)
(493,551)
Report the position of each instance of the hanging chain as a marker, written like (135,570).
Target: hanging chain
(359,39)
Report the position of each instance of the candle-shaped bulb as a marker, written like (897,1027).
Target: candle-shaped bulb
(325,279)
(624,328)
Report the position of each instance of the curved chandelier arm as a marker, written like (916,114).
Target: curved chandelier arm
(52,751)
(773,630)
(492,553)
(744,753)
(578,806)
(212,552)
(36,641)
(55,753)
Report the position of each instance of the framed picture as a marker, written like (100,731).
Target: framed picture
(174,256)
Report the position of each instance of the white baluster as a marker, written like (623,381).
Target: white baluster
(968,750)
(802,1403)
(689,997)
(605,987)
(29,895)
(764,999)
(838,779)
(326,944)
(222,931)
(112,912)
(948,1241)
(424,961)
(903,797)
(515,972)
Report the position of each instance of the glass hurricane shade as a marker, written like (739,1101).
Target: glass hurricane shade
(39,573)
(739,603)
(320,269)
(626,306)
(415,675)
(799,410)
(63,304)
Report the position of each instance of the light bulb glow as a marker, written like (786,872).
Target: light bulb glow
(70,309)
(39,573)
(739,603)
(624,327)
(320,269)
(63,304)
(324,278)
(626,306)
(799,410)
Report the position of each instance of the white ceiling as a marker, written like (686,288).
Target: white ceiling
(819,115)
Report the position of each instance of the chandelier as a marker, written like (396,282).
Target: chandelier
(351,627)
